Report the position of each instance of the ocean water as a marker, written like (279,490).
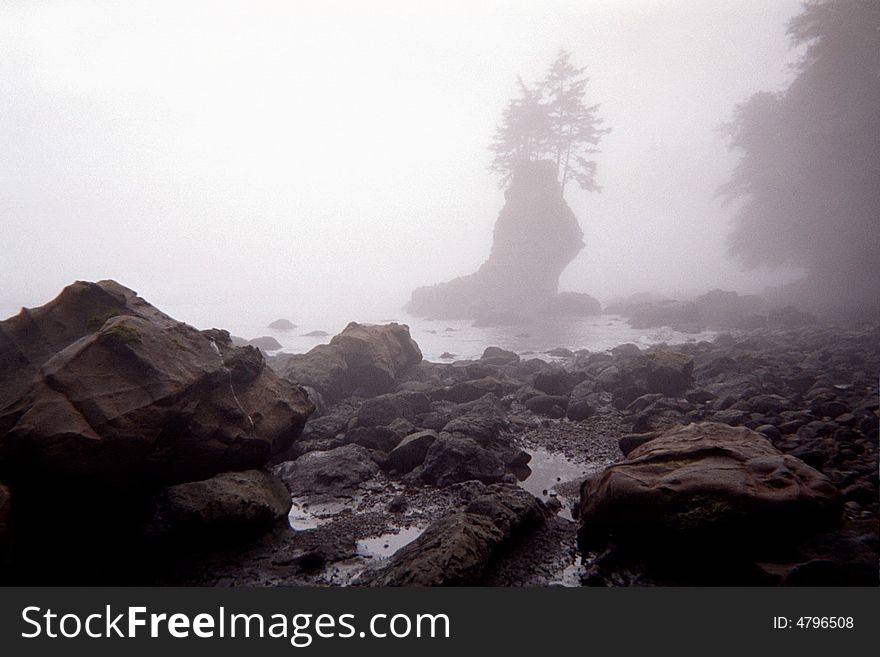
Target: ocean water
(457,337)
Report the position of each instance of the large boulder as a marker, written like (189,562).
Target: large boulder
(363,359)
(457,549)
(339,470)
(226,506)
(384,409)
(410,452)
(100,387)
(702,487)
(451,459)
(658,371)
(536,236)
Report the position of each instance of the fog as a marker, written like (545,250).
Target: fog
(325,158)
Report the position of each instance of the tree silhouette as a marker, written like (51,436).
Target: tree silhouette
(550,121)
(809,175)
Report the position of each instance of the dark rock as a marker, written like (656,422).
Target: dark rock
(100,387)
(535,238)
(499,356)
(659,370)
(398,505)
(384,409)
(383,439)
(228,505)
(555,381)
(551,405)
(731,416)
(700,396)
(364,359)
(335,471)
(282,325)
(410,452)
(630,441)
(579,409)
(265,343)
(466,391)
(560,352)
(447,356)
(482,428)
(706,485)
(458,549)
(450,460)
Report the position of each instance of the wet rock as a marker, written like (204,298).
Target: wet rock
(452,459)
(334,471)
(659,370)
(482,428)
(384,409)
(383,439)
(499,356)
(227,506)
(630,441)
(411,452)
(579,409)
(398,505)
(706,485)
(363,359)
(551,405)
(99,386)
(555,381)
(457,549)
(466,391)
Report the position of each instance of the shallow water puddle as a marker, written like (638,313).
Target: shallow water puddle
(309,514)
(548,469)
(380,547)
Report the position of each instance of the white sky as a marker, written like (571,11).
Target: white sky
(309,157)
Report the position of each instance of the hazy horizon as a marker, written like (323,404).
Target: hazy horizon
(292,159)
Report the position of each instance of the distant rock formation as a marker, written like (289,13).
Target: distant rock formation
(536,237)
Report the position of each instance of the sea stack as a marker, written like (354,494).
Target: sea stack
(536,236)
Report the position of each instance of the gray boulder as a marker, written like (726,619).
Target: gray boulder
(338,470)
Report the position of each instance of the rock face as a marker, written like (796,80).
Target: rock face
(456,550)
(536,237)
(336,470)
(100,387)
(702,486)
(364,359)
(225,506)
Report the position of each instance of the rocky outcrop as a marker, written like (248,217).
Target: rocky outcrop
(225,507)
(706,486)
(363,359)
(457,549)
(536,237)
(100,387)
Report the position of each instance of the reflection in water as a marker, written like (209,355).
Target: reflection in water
(548,469)
(387,544)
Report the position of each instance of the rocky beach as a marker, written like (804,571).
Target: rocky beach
(135,449)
